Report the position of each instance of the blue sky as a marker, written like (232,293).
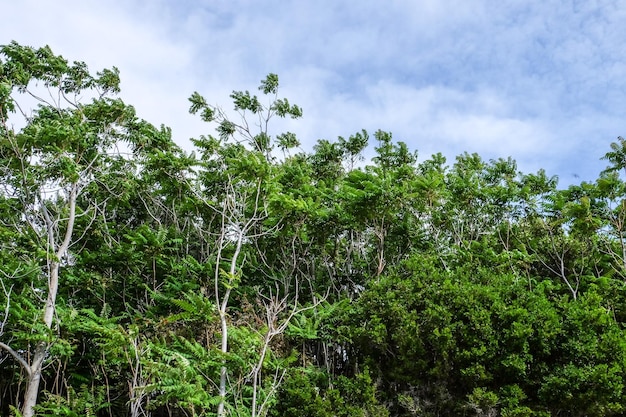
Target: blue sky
(541,81)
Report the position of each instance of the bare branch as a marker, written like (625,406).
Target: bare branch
(17,357)
(6,309)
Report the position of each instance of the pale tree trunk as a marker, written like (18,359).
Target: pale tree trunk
(136,392)
(224,322)
(229,219)
(59,250)
(236,229)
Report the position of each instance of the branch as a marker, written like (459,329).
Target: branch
(49,224)
(17,357)
(6,310)
(65,244)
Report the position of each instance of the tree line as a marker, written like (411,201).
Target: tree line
(251,278)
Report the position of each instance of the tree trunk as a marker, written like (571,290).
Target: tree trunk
(223,370)
(223,319)
(32,387)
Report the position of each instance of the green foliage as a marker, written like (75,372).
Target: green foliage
(308,392)
(493,340)
(270,84)
(181,370)
(617,155)
(316,284)
(87,402)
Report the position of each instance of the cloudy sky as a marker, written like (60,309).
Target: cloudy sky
(541,81)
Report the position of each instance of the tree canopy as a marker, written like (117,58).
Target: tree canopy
(250,277)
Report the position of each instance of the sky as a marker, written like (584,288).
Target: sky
(541,81)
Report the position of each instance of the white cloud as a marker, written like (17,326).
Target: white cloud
(542,82)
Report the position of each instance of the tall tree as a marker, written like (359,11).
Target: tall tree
(64,146)
(238,184)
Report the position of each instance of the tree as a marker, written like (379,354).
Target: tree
(238,183)
(64,146)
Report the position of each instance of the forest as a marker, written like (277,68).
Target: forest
(249,277)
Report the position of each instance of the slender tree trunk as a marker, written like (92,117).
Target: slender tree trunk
(32,387)
(223,318)
(256,372)
(41,351)
(223,370)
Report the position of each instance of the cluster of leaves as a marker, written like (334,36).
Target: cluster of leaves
(237,281)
